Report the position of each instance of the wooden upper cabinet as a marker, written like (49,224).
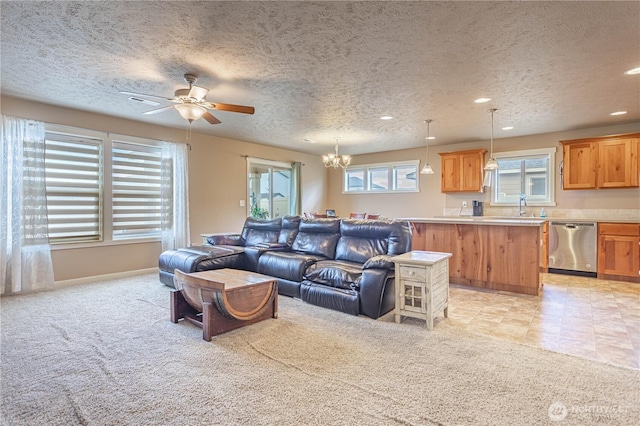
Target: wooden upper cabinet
(450,166)
(580,165)
(618,164)
(599,163)
(462,171)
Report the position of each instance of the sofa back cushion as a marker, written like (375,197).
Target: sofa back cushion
(289,231)
(317,237)
(361,240)
(257,231)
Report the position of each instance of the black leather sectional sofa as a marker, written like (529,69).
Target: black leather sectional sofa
(342,264)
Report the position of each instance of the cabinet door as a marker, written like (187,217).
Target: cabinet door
(619,255)
(450,166)
(544,246)
(519,244)
(472,167)
(580,162)
(618,163)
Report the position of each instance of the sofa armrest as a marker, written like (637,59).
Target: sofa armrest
(382,261)
(272,246)
(376,292)
(225,239)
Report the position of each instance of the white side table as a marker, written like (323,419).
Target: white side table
(422,285)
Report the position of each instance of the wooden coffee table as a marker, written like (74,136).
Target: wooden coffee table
(223,300)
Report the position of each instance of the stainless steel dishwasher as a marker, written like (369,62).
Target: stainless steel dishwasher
(573,247)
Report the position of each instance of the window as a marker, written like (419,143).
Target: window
(382,178)
(101,188)
(354,180)
(270,189)
(378,179)
(136,189)
(528,172)
(73,176)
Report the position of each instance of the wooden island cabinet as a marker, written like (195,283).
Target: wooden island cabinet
(493,254)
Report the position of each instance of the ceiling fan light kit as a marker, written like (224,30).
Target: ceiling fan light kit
(190,112)
(191,103)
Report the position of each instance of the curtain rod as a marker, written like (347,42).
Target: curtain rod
(267,159)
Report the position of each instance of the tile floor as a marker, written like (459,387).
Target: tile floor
(586,317)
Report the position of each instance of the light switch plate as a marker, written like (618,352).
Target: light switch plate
(242,203)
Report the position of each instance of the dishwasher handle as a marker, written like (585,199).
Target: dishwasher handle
(572,225)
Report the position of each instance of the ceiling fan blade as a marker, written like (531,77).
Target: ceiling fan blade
(197,92)
(232,108)
(155,111)
(147,96)
(210,118)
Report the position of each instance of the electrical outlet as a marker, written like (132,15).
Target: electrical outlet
(464,204)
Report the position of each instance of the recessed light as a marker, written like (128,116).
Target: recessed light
(508,128)
(618,113)
(431,138)
(482,100)
(633,71)
(386,117)
(307,140)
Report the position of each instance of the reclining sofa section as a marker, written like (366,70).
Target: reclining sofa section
(341,264)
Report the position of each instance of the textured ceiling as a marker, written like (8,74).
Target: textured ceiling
(317,70)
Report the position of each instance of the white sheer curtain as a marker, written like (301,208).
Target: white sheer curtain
(175,195)
(25,255)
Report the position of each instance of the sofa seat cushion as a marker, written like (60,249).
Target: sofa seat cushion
(335,273)
(342,300)
(285,264)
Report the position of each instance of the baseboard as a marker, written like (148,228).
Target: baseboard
(105,277)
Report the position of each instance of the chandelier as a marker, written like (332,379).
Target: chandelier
(427,170)
(334,160)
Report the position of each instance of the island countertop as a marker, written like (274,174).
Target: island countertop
(479,220)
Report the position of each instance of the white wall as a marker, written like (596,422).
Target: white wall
(217,183)
(431,202)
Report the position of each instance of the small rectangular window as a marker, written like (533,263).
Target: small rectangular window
(354,180)
(73,177)
(404,177)
(137,191)
(379,179)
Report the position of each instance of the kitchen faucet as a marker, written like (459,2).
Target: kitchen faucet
(522,199)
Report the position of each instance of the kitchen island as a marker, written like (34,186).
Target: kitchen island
(495,253)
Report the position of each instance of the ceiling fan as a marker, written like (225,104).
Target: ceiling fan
(190,103)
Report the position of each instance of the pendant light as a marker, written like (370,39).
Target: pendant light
(492,164)
(427,170)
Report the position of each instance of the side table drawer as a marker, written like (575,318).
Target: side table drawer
(413,273)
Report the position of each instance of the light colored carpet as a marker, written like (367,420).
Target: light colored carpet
(107,354)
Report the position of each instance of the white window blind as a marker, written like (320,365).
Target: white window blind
(137,193)
(73,168)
